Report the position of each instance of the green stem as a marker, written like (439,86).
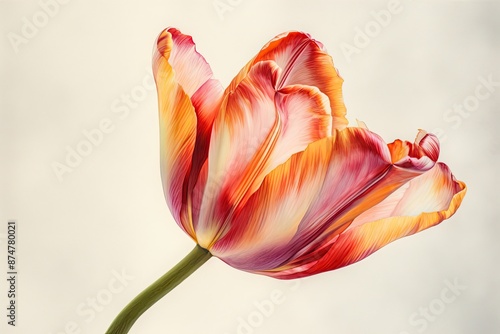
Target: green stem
(127,317)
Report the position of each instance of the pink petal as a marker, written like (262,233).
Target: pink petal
(331,183)
(425,202)
(191,69)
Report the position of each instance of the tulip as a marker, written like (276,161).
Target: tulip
(267,176)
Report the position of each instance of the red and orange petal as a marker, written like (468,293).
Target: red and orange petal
(177,131)
(425,202)
(188,100)
(313,196)
(241,135)
(257,129)
(303,61)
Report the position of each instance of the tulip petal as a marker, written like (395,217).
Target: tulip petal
(241,133)
(314,195)
(305,118)
(273,213)
(258,129)
(425,202)
(188,100)
(304,61)
(191,69)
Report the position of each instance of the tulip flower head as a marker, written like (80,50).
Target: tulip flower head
(267,175)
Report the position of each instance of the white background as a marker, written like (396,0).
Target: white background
(108,214)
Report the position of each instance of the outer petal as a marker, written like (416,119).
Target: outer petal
(188,101)
(312,197)
(191,69)
(423,203)
(304,61)
(258,128)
